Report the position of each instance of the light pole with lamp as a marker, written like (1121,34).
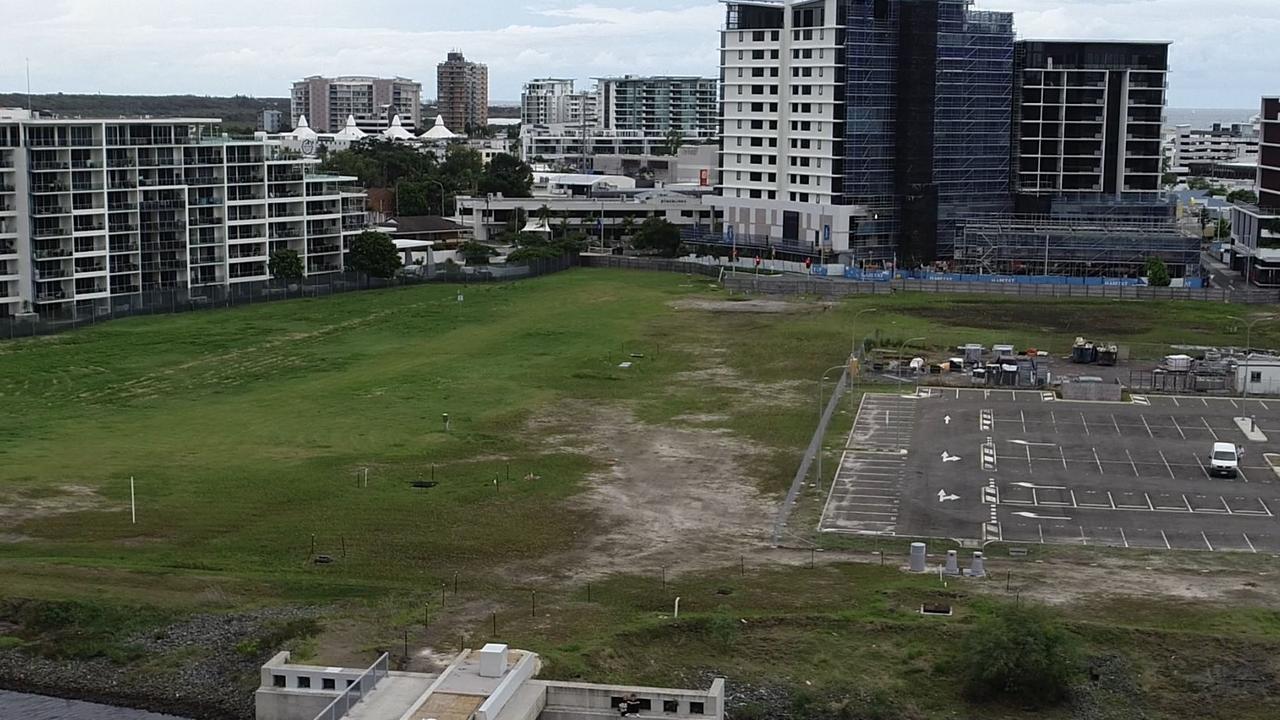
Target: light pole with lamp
(856,351)
(444,194)
(821,430)
(1248,344)
(901,349)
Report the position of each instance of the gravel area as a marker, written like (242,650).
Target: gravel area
(196,668)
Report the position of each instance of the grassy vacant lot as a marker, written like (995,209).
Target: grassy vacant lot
(246,431)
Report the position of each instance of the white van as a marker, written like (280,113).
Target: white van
(1225,460)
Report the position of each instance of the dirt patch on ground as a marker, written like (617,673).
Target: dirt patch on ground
(763,307)
(676,497)
(18,508)
(1066,582)
(716,373)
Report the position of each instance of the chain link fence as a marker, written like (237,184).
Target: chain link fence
(181,300)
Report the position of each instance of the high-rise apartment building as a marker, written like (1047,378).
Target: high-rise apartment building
(553,101)
(1255,229)
(463,93)
(1269,155)
(863,128)
(658,105)
(326,102)
(1089,118)
(96,214)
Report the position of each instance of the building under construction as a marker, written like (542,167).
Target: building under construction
(1094,245)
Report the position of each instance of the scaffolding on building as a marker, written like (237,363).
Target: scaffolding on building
(1076,246)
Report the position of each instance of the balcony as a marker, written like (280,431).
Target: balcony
(161,205)
(285,234)
(48,188)
(51,275)
(164,226)
(95,228)
(204,221)
(203,181)
(91,269)
(124,267)
(323,249)
(47,165)
(124,289)
(120,162)
(42,233)
(285,177)
(204,202)
(55,210)
(51,295)
(282,194)
(122,185)
(122,206)
(130,247)
(85,164)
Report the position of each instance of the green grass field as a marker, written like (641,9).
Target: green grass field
(246,431)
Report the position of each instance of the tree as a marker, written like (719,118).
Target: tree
(1199,183)
(1020,654)
(285,264)
(1157,273)
(659,235)
(1247,197)
(1222,230)
(672,143)
(412,197)
(374,254)
(508,175)
(476,253)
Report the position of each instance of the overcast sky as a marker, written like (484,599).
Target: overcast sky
(1225,53)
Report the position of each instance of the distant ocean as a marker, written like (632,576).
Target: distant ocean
(1206,117)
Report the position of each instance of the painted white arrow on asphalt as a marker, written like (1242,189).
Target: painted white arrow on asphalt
(947,419)
(948,457)
(1033,486)
(1034,516)
(944,497)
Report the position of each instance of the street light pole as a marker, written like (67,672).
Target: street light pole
(902,349)
(855,351)
(1248,345)
(444,194)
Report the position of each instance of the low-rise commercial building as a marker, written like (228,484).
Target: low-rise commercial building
(96,214)
(493,683)
(583,203)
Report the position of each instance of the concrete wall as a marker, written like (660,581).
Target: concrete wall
(293,702)
(579,701)
(507,689)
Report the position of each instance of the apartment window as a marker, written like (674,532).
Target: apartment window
(739,54)
(304,682)
(757,159)
(773,54)
(757,89)
(754,194)
(795,54)
(671,706)
(277,681)
(755,177)
(757,36)
(806,72)
(757,142)
(739,72)
(1255,376)
(757,124)
(757,72)
(757,54)
(774,36)
(773,107)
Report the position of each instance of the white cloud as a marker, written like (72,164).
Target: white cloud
(1222,53)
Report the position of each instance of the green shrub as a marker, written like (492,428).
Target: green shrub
(1020,654)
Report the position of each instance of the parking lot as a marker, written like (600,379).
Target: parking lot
(1021,466)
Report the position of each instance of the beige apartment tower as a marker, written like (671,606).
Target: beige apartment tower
(464,93)
(372,101)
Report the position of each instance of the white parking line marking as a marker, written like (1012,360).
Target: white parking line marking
(1264,507)
(1234,405)
(1123,538)
(1175,401)
(1083,538)
(1225,505)
(1030,466)
(1148,427)
(1023,414)
(1086,424)
(1150,506)
(1116,423)
(1175,424)
(1205,401)
(1112,500)
(1249,542)
(1054,417)
(1263,404)
(1038,525)
(1132,463)
(1203,469)
(1095,459)
(1240,472)
(1166,540)
(1188,502)
(1167,466)
(1063,456)
(1206,541)
(1209,427)
(1074,504)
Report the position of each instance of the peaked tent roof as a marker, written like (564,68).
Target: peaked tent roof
(351,131)
(397,131)
(303,131)
(439,131)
